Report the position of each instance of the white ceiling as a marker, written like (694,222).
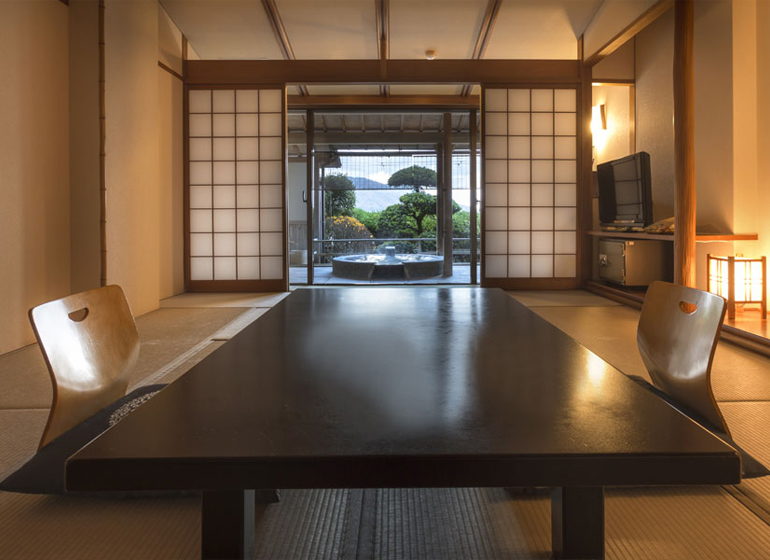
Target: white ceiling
(450,27)
(540,29)
(329,29)
(225,29)
(347,29)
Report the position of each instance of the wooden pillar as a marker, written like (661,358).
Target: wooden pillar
(684,146)
(439,203)
(446,224)
(474,186)
(585,243)
(310,147)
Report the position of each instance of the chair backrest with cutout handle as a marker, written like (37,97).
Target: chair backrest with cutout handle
(90,344)
(678,332)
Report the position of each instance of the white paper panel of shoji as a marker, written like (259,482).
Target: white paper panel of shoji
(530,174)
(236,149)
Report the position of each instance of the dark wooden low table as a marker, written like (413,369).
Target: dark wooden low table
(401,387)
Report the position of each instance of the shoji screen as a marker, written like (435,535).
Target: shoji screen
(236,189)
(530,187)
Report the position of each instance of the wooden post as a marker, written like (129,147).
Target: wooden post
(764,287)
(684,146)
(474,216)
(585,243)
(446,186)
(439,204)
(731,288)
(309,193)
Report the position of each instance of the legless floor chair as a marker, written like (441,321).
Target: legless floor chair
(90,345)
(677,336)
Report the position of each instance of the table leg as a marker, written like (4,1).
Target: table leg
(577,522)
(227,524)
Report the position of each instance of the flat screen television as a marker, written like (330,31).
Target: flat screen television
(625,192)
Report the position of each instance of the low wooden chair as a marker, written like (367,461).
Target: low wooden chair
(90,345)
(677,336)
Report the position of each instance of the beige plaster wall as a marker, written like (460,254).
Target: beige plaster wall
(615,142)
(655,109)
(85,201)
(34,163)
(132,163)
(713,76)
(713,70)
(747,106)
(171,158)
(171,185)
(762,220)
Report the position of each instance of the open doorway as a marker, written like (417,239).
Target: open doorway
(390,201)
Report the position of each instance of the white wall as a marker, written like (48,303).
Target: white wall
(34,163)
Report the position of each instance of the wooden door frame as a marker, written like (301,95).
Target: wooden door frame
(222,74)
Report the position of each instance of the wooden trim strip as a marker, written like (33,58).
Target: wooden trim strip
(645,19)
(237,285)
(254,72)
(274,17)
(102,151)
(610,82)
(378,101)
(485,33)
(171,71)
(531,283)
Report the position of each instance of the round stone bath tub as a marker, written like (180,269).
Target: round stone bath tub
(389,266)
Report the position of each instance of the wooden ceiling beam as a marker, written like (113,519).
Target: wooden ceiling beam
(623,36)
(445,71)
(482,40)
(382,10)
(281,37)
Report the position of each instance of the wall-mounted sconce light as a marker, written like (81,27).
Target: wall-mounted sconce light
(598,118)
(430,54)
(738,280)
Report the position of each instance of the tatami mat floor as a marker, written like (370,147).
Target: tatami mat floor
(641,523)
